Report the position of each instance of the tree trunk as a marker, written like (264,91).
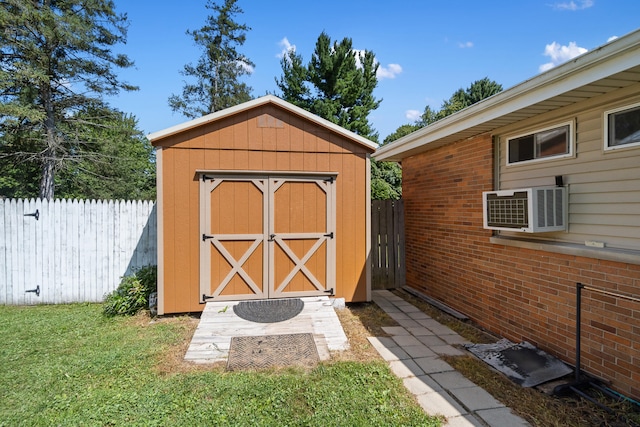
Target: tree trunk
(48,172)
(49,155)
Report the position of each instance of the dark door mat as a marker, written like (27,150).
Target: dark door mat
(523,363)
(269,311)
(259,352)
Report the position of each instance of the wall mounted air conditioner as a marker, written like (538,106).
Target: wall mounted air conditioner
(531,210)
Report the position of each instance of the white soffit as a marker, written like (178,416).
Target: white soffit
(610,67)
(268,99)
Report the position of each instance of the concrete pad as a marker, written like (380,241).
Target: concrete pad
(463,421)
(388,352)
(432,365)
(395,330)
(428,323)
(419,331)
(417,351)
(440,403)
(419,315)
(405,368)
(446,350)
(408,323)
(399,316)
(440,329)
(421,384)
(502,417)
(475,398)
(385,341)
(408,308)
(431,340)
(452,380)
(406,340)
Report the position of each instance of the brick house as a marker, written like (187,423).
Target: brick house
(575,128)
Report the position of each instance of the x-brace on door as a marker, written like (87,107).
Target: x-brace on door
(266,236)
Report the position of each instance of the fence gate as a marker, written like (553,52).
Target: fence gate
(387,237)
(266,236)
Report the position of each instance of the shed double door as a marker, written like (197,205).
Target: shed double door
(266,236)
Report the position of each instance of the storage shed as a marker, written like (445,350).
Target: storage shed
(261,200)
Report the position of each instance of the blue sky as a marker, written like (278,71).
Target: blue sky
(426,49)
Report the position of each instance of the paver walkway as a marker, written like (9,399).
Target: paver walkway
(413,352)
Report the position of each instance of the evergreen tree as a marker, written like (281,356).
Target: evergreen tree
(218,71)
(463,98)
(55,59)
(337,84)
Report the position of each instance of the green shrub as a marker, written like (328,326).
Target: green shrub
(132,295)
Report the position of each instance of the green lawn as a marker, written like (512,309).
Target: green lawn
(68,365)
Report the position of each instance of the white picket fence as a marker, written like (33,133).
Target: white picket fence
(73,251)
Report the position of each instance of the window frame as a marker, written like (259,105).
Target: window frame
(605,127)
(533,132)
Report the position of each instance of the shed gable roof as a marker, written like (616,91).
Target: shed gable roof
(155,137)
(610,67)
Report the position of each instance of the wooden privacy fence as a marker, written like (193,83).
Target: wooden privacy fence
(387,237)
(71,251)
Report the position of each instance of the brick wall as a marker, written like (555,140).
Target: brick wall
(520,294)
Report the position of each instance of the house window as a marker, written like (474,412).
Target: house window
(546,143)
(622,127)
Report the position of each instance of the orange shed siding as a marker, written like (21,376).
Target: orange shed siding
(266,138)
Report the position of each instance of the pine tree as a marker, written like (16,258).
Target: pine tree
(55,59)
(219,68)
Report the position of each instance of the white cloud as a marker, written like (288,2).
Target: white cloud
(612,38)
(560,54)
(571,5)
(286,47)
(412,115)
(465,45)
(248,68)
(388,72)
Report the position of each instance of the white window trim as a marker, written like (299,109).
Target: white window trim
(605,126)
(570,123)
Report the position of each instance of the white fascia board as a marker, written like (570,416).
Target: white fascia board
(255,103)
(614,57)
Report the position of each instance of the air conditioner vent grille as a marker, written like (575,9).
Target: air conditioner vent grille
(510,212)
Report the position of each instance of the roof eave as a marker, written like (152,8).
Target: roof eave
(267,99)
(601,62)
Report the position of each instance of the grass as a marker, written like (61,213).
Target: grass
(69,365)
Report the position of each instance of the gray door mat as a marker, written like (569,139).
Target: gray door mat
(269,311)
(260,352)
(523,363)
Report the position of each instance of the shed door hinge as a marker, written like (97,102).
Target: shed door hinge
(206,236)
(329,235)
